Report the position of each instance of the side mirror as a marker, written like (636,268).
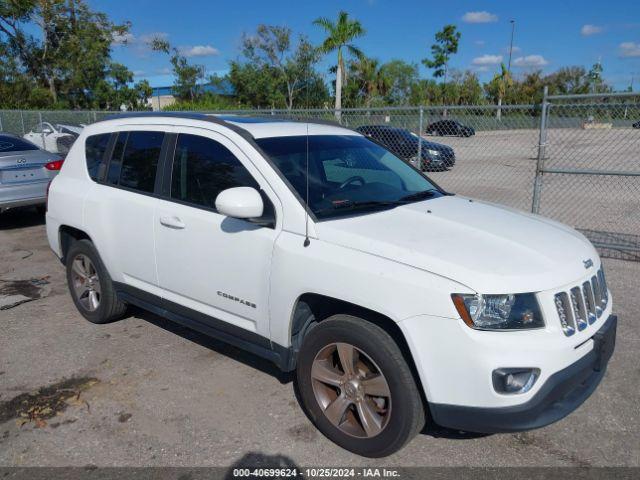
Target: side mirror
(47,131)
(240,202)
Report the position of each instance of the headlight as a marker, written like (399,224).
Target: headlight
(499,312)
(435,153)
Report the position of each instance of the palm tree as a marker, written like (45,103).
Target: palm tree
(370,78)
(339,36)
(504,82)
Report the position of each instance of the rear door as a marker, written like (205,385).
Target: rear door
(121,205)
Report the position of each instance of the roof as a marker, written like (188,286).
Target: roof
(254,127)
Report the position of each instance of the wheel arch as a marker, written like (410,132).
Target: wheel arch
(68,235)
(313,308)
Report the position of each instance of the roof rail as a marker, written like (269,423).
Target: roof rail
(214,118)
(186,115)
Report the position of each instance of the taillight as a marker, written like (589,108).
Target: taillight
(54,165)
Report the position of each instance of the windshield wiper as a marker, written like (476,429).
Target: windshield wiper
(349,205)
(418,195)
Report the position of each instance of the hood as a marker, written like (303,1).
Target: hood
(486,247)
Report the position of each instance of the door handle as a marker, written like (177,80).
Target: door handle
(172,222)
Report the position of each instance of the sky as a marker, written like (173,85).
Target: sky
(548,34)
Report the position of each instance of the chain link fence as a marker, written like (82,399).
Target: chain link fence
(588,172)
(573,158)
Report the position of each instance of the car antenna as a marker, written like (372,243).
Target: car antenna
(306,206)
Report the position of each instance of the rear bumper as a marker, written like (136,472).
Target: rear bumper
(22,195)
(561,394)
(23,202)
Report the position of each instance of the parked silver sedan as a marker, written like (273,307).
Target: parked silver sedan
(25,172)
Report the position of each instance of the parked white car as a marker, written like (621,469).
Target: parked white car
(54,139)
(317,249)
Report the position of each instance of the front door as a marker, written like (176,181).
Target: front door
(212,264)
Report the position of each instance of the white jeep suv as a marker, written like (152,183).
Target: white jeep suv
(309,245)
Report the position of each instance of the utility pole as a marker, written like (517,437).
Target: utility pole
(513,27)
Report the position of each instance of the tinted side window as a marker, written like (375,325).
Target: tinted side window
(140,161)
(116,159)
(95,149)
(202,168)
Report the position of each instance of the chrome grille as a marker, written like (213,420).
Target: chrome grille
(590,303)
(583,304)
(579,310)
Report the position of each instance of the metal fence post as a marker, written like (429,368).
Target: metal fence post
(24,131)
(542,148)
(0,121)
(419,165)
(44,144)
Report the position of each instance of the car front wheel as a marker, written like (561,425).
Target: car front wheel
(357,388)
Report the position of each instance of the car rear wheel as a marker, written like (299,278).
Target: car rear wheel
(357,388)
(90,285)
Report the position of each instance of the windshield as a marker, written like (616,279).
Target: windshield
(347,174)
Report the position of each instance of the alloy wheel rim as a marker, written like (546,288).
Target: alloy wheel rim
(86,283)
(351,390)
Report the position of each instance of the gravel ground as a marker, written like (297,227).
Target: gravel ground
(147,392)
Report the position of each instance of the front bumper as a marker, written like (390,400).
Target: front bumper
(561,394)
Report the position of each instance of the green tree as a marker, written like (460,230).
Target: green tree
(568,80)
(464,88)
(500,84)
(401,78)
(117,90)
(62,45)
(189,78)
(596,81)
(446,45)
(366,84)
(256,86)
(340,34)
(271,47)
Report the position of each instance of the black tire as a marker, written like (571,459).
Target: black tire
(110,307)
(406,416)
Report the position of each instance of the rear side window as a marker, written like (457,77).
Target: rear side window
(95,150)
(139,164)
(11,144)
(202,168)
(116,158)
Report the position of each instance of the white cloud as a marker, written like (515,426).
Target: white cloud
(479,17)
(629,49)
(515,49)
(126,38)
(481,69)
(139,73)
(588,30)
(486,60)
(199,51)
(531,61)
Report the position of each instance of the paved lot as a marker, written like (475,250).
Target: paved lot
(500,166)
(151,393)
